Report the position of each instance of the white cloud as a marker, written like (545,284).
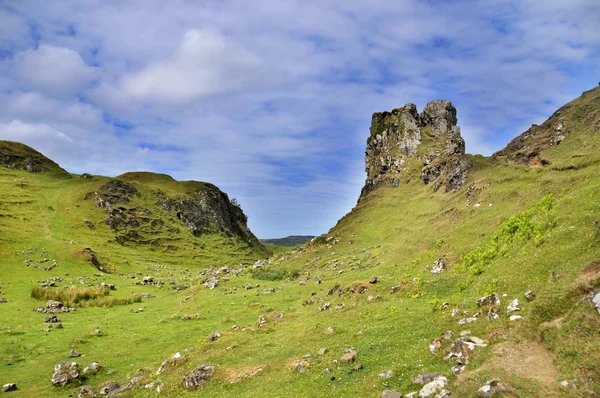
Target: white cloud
(32,134)
(204,64)
(56,71)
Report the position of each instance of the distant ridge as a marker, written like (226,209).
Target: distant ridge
(290,241)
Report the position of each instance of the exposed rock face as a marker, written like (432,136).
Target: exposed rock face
(404,140)
(15,155)
(207,209)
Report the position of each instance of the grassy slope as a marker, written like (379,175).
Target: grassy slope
(393,234)
(289,241)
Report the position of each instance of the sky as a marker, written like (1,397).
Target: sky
(271,100)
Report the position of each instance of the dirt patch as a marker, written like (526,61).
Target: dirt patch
(527,359)
(588,279)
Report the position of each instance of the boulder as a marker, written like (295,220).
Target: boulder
(350,355)
(91,369)
(434,387)
(65,373)
(514,306)
(108,387)
(9,387)
(86,391)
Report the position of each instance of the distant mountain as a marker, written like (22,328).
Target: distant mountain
(291,241)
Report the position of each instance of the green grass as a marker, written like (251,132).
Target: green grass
(540,233)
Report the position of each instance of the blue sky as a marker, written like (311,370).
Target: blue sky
(272,100)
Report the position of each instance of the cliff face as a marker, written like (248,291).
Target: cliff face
(404,143)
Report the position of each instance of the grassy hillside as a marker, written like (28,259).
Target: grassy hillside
(290,241)
(512,228)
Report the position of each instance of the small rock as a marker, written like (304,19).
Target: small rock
(464,321)
(492,299)
(529,295)
(458,368)
(74,354)
(438,266)
(515,318)
(373,280)
(425,378)
(355,368)
(373,298)
(390,394)
(385,375)
(198,377)
(60,326)
(324,307)
(323,351)
(108,387)
(396,289)
(494,386)
(91,369)
(299,366)
(96,332)
(514,306)
(86,391)
(350,355)
(213,336)
(51,319)
(9,387)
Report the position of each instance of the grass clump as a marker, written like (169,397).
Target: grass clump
(82,297)
(274,274)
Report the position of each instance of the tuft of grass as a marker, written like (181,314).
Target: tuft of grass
(82,297)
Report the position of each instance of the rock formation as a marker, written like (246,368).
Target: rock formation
(403,143)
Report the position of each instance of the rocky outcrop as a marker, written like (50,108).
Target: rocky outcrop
(15,155)
(403,142)
(206,210)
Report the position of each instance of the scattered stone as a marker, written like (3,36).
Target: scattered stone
(214,336)
(96,332)
(386,375)
(299,366)
(464,321)
(434,387)
(3,300)
(211,282)
(436,343)
(515,318)
(355,368)
(9,387)
(444,306)
(514,306)
(350,355)
(60,326)
(329,330)
(86,391)
(277,316)
(339,306)
(425,378)
(492,387)
(439,265)
(412,394)
(396,289)
(74,354)
(568,385)
(91,369)
(89,224)
(324,307)
(373,280)
(492,299)
(458,368)
(596,301)
(323,351)
(390,394)
(64,373)
(170,363)
(261,320)
(108,387)
(462,347)
(373,298)
(529,295)
(51,319)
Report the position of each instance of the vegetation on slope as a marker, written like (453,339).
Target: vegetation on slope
(511,229)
